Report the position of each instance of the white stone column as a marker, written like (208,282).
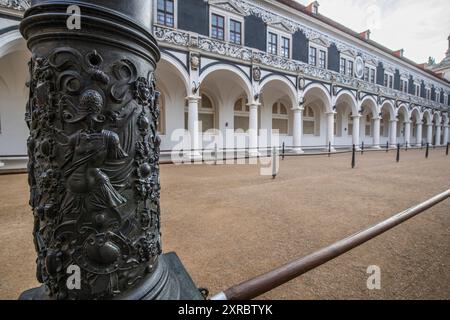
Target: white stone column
(446,130)
(356,130)
(393,133)
(430,133)
(419,134)
(408,133)
(193,124)
(253,128)
(298,129)
(376,132)
(330,130)
(438,136)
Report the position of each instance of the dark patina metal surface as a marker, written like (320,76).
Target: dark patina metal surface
(94,152)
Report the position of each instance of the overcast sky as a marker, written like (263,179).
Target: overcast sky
(420,27)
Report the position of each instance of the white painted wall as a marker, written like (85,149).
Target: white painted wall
(13,98)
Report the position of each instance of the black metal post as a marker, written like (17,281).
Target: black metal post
(387,147)
(362,148)
(406,147)
(94,154)
(398,152)
(446,151)
(353,156)
(428,150)
(282,158)
(329,149)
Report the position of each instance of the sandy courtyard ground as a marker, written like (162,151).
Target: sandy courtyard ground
(228,223)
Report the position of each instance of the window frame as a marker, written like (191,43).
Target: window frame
(283,48)
(232,20)
(417,89)
(308,118)
(280,35)
(404,83)
(427,93)
(318,48)
(175,14)
(228,16)
(213,15)
(348,58)
(343,66)
(280,116)
(241,113)
(312,56)
(271,46)
(351,71)
(320,60)
(390,80)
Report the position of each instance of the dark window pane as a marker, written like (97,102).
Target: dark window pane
(217,27)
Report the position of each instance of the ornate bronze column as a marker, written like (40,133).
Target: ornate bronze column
(94,154)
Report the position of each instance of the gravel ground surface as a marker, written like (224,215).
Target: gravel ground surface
(229,223)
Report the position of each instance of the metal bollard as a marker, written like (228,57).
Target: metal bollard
(362,148)
(283,151)
(329,149)
(428,150)
(446,151)
(398,152)
(387,147)
(406,147)
(216,154)
(353,157)
(274,162)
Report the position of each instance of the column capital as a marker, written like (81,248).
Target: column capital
(331,113)
(356,116)
(377,118)
(298,108)
(394,120)
(254,105)
(193,98)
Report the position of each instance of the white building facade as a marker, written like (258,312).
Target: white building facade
(240,68)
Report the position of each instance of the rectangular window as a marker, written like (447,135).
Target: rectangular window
(165,13)
(312,56)
(285,47)
(404,86)
(366,74)
(273,43)
(217,27)
(429,94)
(322,59)
(372,75)
(343,67)
(417,90)
(235,32)
(389,81)
(438,97)
(350,68)
(308,127)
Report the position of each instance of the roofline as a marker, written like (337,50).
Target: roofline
(301,8)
